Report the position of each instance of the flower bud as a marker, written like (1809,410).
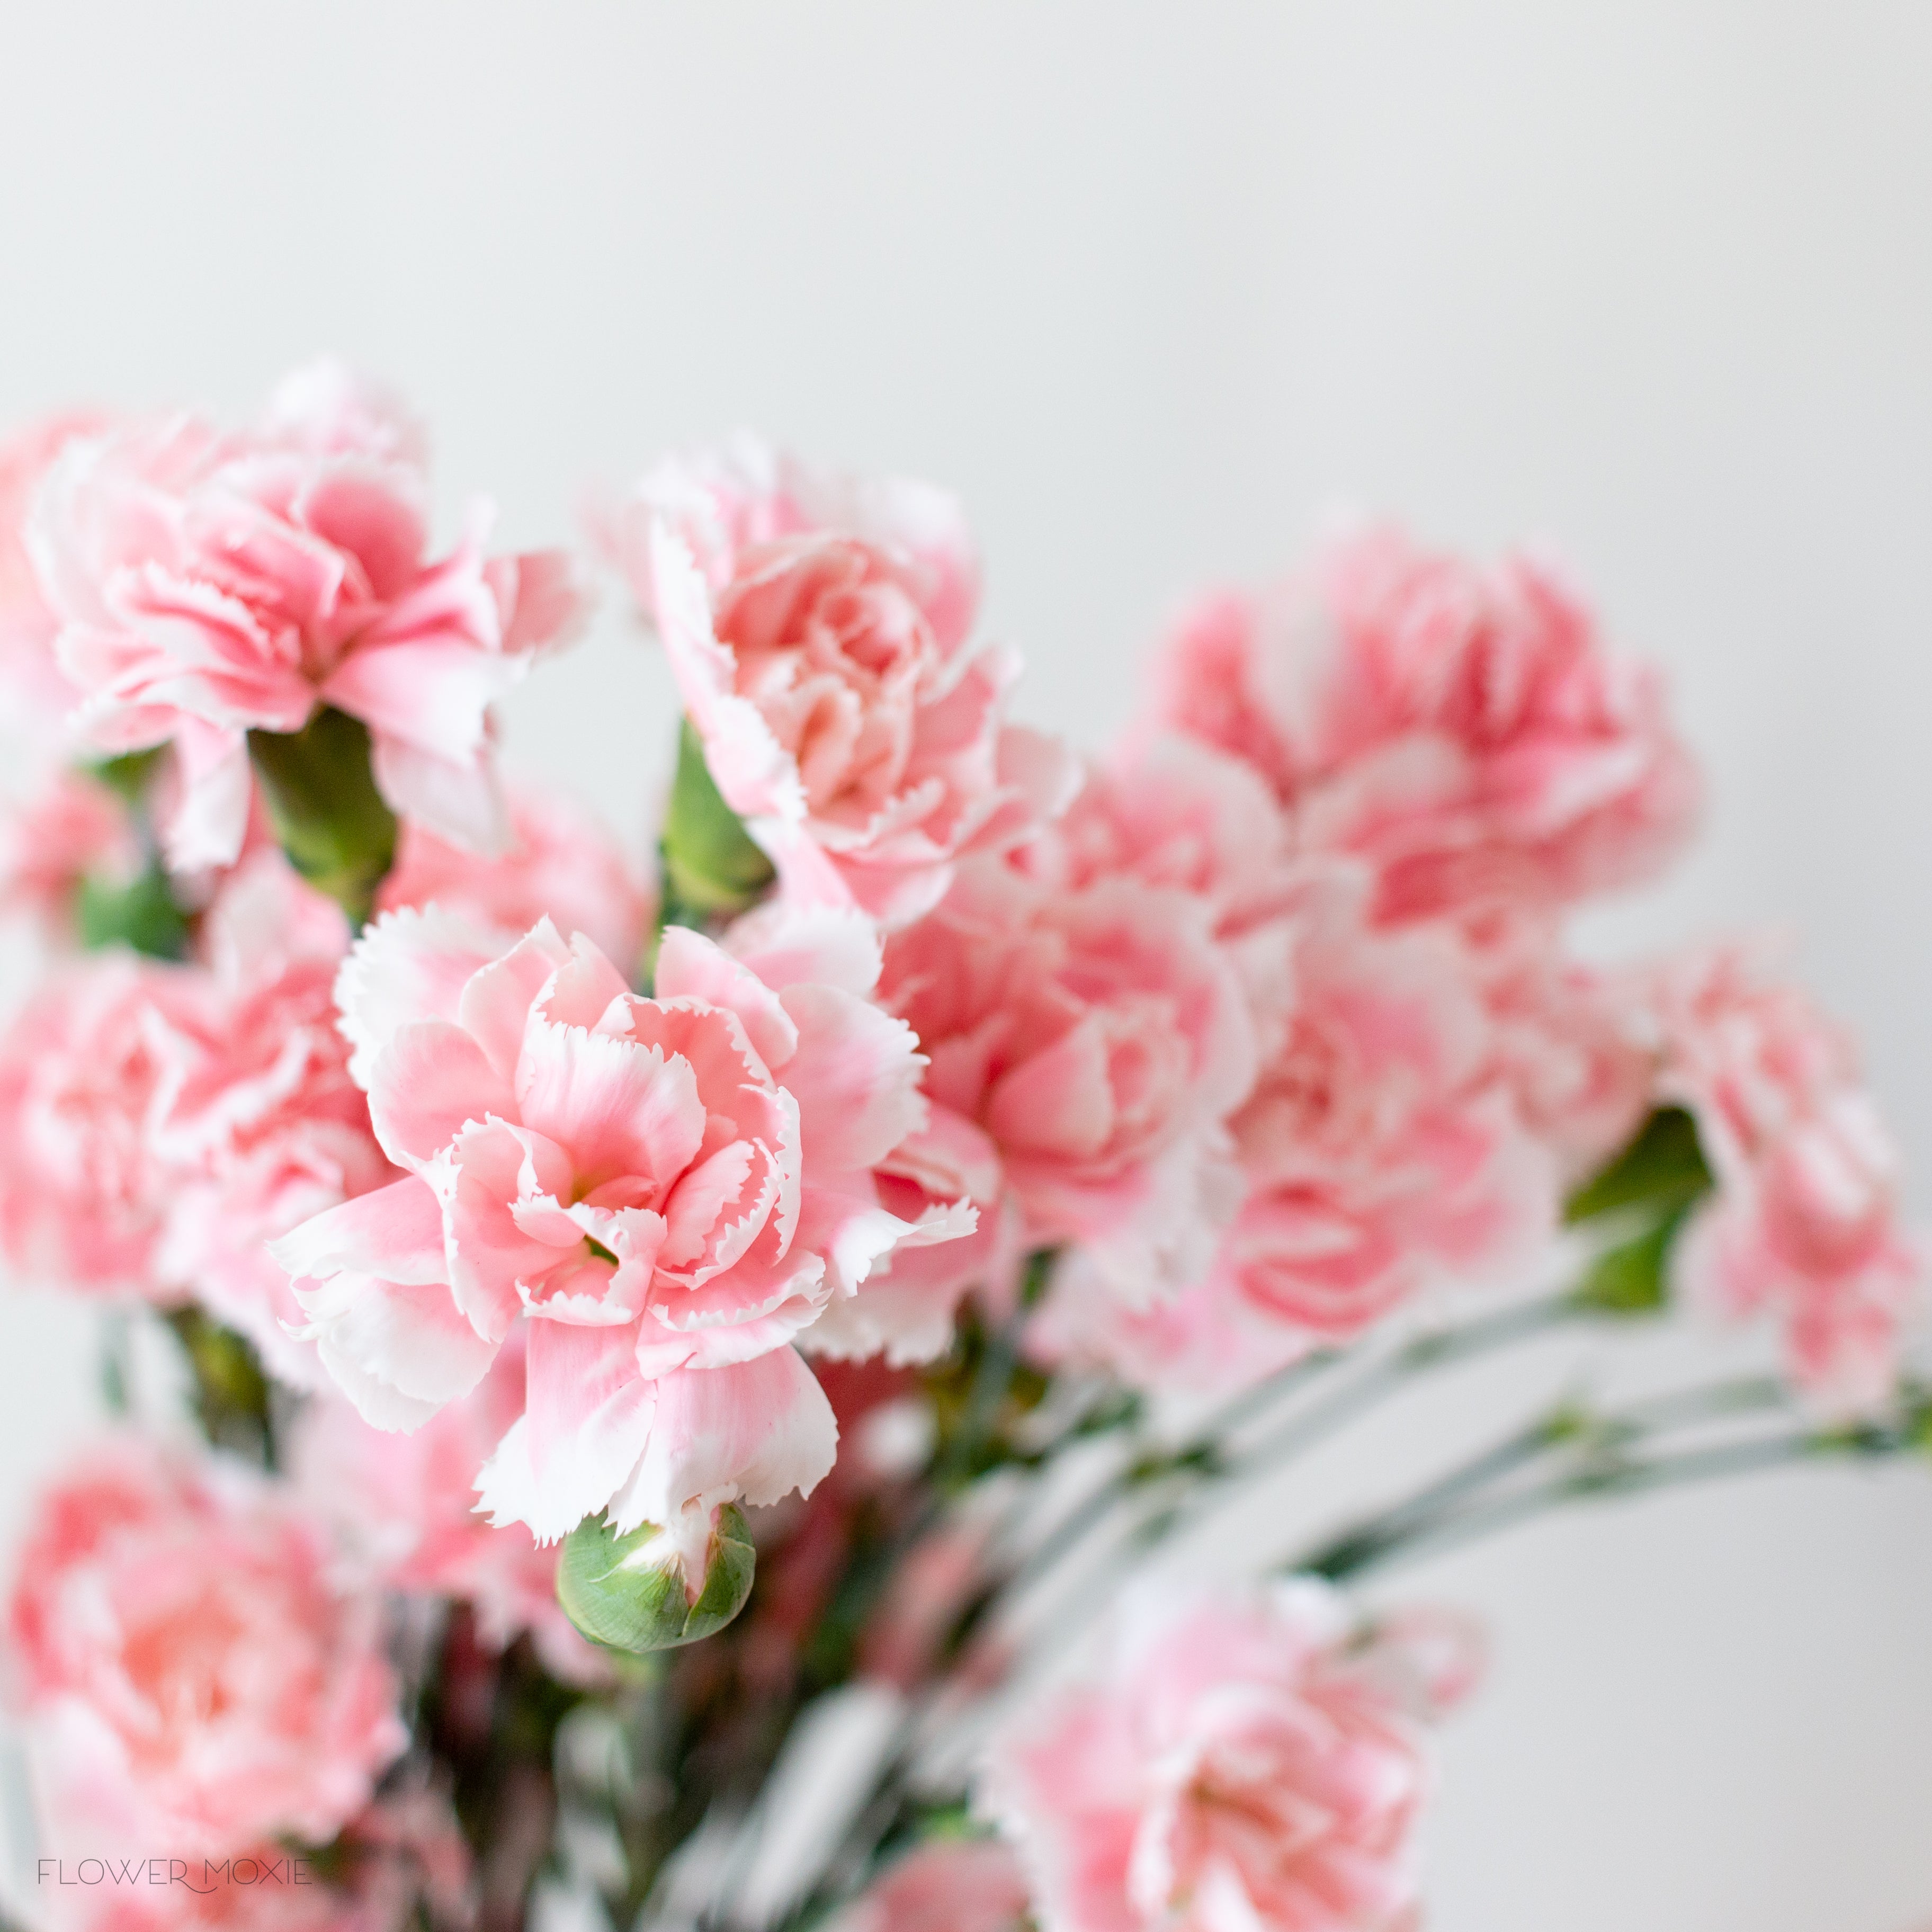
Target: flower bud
(654,1588)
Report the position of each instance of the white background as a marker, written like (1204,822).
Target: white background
(1154,288)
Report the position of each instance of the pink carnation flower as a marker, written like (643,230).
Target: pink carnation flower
(1231,1762)
(160,1124)
(1381,1148)
(404,1507)
(561,863)
(1100,1038)
(817,627)
(963,1884)
(82,1195)
(1462,728)
(207,585)
(1806,1222)
(669,1191)
(189,1679)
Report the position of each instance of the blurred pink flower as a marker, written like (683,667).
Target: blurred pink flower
(207,585)
(561,863)
(818,629)
(82,1195)
(1462,728)
(669,1189)
(189,1678)
(1232,1760)
(160,1124)
(1806,1222)
(404,1509)
(1381,1148)
(959,1885)
(1100,1038)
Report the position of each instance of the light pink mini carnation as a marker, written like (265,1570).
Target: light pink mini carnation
(669,1191)
(1806,1223)
(189,1678)
(1462,728)
(817,627)
(209,584)
(1232,1760)
(404,1507)
(561,863)
(1381,1148)
(1100,1038)
(83,1195)
(961,1884)
(160,1124)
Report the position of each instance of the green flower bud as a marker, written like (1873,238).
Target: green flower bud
(653,1588)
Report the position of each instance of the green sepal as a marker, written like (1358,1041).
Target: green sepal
(141,913)
(1634,1276)
(1662,1168)
(328,818)
(622,1595)
(712,867)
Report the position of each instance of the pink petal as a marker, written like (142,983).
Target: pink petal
(459,800)
(690,967)
(494,1007)
(588,1414)
(755,1431)
(409,965)
(399,1351)
(620,1108)
(489,1168)
(855,1076)
(431,1080)
(395,1231)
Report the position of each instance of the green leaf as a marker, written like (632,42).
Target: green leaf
(1662,1169)
(230,1392)
(328,817)
(141,914)
(712,867)
(1632,1278)
(628,1593)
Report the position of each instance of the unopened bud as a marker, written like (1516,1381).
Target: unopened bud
(653,1588)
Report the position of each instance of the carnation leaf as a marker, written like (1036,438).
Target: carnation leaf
(627,1592)
(328,817)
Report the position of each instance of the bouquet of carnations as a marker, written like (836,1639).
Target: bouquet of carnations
(735,1400)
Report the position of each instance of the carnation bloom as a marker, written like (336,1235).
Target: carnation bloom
(560,862)
(1242,1760)
(190,1677)
(1805,1222)
(404,1509)
(669,1191)
(1100,1038)
(82,1195)
(1380,1147)
(207,585)
(160,1124)
(817,627)
(1462,728)
(958,1884)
